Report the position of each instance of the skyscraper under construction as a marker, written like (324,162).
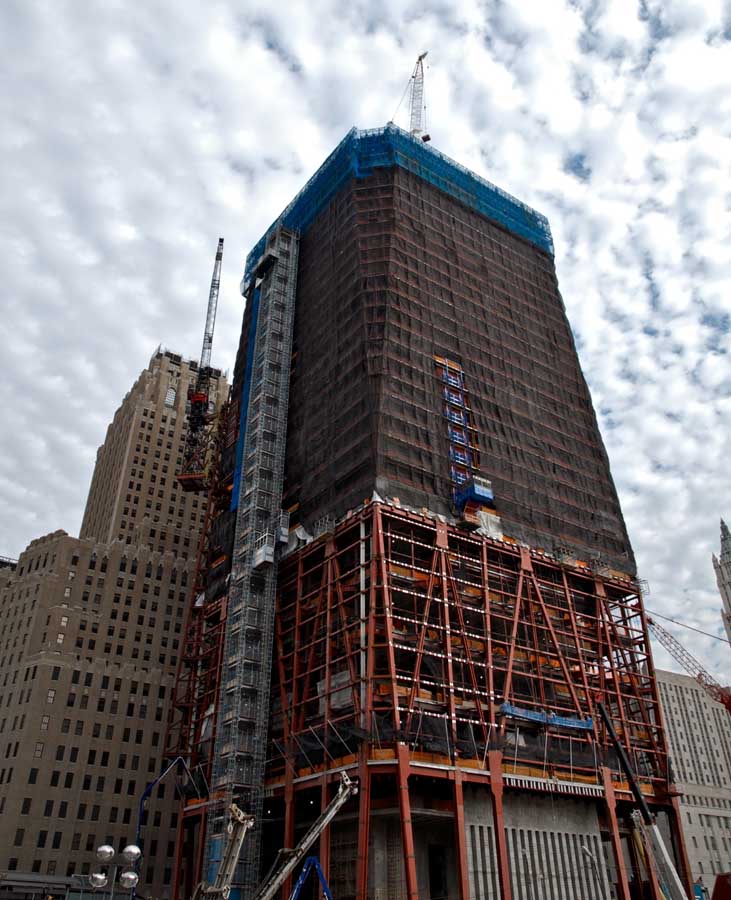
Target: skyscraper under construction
(416,568)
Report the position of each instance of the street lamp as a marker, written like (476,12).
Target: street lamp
(129,877)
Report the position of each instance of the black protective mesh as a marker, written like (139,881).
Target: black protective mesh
(392,273)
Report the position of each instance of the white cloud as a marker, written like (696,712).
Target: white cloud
(132,138)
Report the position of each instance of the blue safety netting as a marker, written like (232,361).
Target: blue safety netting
(360,152)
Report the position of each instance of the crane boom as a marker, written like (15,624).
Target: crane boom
(238,825)
(205,363)
(193,475)
(282,870)
(691,664)
(416,103)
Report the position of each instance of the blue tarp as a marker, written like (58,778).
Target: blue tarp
(544,718)
(360,152)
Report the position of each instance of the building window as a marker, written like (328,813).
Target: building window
(38,752)
(44,722)
(25,808)
(50,696)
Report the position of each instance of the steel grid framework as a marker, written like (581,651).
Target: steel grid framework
(410,647)
(192,724)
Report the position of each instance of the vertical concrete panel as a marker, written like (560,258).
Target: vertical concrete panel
(492,857)
(556,867)
(480,843)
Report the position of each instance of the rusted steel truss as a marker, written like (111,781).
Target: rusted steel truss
(422,649)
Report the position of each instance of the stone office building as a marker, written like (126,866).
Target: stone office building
(90,638)
(699,734)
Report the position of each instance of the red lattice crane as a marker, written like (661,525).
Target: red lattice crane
(691,665)
(193,475)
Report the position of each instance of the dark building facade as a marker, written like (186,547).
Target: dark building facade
(455,587)
(394,274)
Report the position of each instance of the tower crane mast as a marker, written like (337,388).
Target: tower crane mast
(691,665)
(416,101)
(205,365)
(193,476)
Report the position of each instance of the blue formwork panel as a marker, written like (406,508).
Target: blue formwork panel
(360,152)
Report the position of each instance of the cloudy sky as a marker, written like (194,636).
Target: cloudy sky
(134,134)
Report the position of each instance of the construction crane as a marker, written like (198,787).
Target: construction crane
(416,101)
(239,823)
(691,665)
(193,476)
(288,860)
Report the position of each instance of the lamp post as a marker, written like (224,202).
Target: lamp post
(129,877)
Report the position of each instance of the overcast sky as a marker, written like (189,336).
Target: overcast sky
(134,134)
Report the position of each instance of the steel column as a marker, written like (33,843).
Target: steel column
(495,760)
(460,839)
(364,825)
(407,833)
(622,883)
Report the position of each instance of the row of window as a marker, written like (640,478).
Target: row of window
(51,868)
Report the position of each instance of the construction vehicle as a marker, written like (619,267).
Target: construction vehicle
(658,861)
(193,471)
(286,861)
(238,825)
(691,665)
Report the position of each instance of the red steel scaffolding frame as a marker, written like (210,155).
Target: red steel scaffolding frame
(410,648)
(191,728)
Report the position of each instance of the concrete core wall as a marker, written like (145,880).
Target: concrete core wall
(545,838)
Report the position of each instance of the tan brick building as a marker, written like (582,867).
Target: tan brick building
(90,637)
(699,733)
